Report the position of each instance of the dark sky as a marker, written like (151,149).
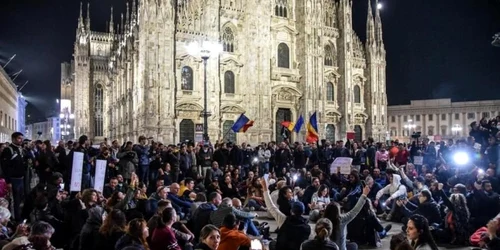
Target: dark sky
(435,48)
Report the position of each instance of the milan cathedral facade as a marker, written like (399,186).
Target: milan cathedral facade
(280,59)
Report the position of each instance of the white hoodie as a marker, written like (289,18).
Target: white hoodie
(395,189)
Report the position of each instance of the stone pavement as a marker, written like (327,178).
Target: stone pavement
(396,228)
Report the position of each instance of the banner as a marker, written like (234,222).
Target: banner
(76,173)
(344,163)
(100,173)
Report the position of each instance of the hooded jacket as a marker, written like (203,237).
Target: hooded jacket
(394,190)
(90,231)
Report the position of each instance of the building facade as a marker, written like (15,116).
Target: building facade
(21,113)
(280,59)
(438,119)
(45,130)
(8,106)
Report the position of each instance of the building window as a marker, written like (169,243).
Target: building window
(443,130)
(457,116)
(187,78)
(330,133)
(98,109)
(431,117)
(357,94)
(383,120)
(280,8)
(417,118)
(393,119)
(486,114)
(229,82)
(471,116)
(405,118)
(330,92)
(283,56)
(228,40)
(330,15)
(443,117)
(231,135)
(328,55)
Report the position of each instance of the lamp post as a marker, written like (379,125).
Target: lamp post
(204,50)
(66,118)
(456,129)
(410,126)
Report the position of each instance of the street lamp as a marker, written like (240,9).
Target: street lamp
(456,129)
(410,126)
(204,50)
(66,118)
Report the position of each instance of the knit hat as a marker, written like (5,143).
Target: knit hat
(298,208)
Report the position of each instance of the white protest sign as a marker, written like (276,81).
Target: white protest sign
(100,173)
(418,160)
(77,172)
(344,163)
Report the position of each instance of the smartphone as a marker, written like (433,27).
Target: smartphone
(61,187)
(24,222)
(266,177)
(363,184)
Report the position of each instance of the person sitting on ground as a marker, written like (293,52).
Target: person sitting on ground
(322,240)
(231,237)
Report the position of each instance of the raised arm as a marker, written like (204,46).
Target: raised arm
(271,208)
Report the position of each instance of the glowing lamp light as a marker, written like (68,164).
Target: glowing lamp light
(461,158)
(61,116)
(380,6)
(255,244)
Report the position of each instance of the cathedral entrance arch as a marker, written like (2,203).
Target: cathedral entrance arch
(330,133)
(358,133)
(282,115)
(186,130)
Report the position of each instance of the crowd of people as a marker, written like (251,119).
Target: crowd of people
(206,196)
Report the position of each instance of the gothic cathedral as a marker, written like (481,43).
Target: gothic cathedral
(280,59)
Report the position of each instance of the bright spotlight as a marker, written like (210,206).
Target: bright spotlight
(461,158)
(380,6)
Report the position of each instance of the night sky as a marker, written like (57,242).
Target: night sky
(435,48)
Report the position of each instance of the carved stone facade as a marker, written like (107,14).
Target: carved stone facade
(281,58)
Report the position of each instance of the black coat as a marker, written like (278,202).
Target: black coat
(294,231)
(428,209)
(319,245)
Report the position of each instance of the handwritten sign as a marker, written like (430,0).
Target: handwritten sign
(418,160)
(344,163)
(100,173)
(76,173)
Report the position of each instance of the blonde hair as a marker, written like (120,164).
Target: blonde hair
(4,213)
(323,229)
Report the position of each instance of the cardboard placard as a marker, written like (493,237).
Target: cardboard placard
(344,163)
(77,172)
(100,173)
(418,160)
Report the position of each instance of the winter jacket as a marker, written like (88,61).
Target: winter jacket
(394,190)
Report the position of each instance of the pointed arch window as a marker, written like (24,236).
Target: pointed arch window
(187,78)
(229,82)
(283,56)
(330,132)
(228,40)
(98,110)
(186,130)
(280,8)
(357,94)
(328,55)
(330,92)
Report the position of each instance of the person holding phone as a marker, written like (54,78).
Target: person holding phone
(319,202)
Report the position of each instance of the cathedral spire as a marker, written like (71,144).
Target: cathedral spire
(127,18)
(80,19)
(134,10)
(370,27)
(378,27)
(111,23)
(87,21)
(121,25)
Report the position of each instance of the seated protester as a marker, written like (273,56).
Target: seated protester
(228,188)
(426,207)
(374,187)
(209,238)
(135,238)
(456,219)
(255,200)
(379,178)
(309,192)
(180,235)
(152,188)
(319,202)
(180,204)
(419,234)
(39,238)
(366,228)
(322,240)
(201,216)
(394,191)
(200,199)
(416,186)
(494,239)
(231,237)
(164,174)
(225,208)
(340,221)
(284,199)
(122,186)
(90,231)
(110,187)
(112,229)
(294,229)
(42,212)
(124,201)
(163,236)
(160,194)
(482,197)
(188,189)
